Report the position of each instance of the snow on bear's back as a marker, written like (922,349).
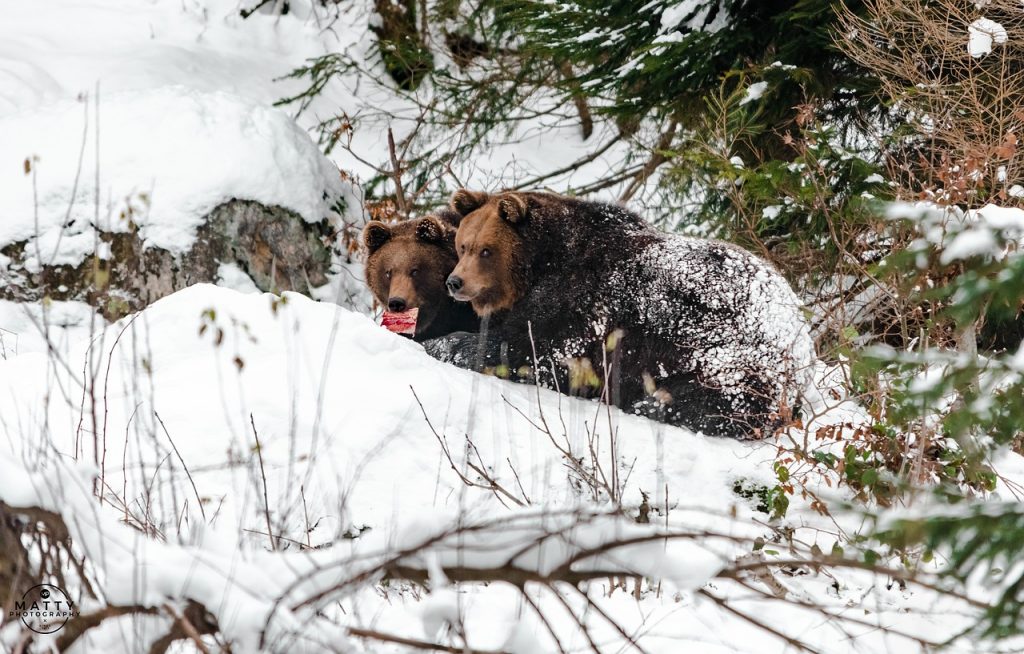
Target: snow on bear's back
(744,312)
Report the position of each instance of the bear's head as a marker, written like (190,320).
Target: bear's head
(407,265)
(490,274)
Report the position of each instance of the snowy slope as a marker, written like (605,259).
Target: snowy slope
(335,396)
(165,159)
(336,403)
(73,47)
(168,99)
(67,47)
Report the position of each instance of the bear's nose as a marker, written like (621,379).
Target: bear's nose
(454,283)
(396,304)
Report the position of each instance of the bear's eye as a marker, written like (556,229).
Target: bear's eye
(485,253)
(414,272)
(387,275)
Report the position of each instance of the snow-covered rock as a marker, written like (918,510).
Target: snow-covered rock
(156,161)
(128,199)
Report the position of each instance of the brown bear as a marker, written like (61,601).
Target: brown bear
(693,332)
(407,264)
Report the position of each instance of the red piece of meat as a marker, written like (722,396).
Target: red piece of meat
(401,323)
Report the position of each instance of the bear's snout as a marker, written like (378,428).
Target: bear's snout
(397,304)
(454,283)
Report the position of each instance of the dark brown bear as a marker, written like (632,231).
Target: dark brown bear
(407,264)
(689,331)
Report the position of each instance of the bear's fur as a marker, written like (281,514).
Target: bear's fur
(407,264)
(693,332)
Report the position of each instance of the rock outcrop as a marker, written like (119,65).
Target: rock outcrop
(277,248)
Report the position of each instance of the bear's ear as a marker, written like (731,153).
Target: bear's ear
(512,208)
(430,230)
(465,202)
(375,234)
(447,216)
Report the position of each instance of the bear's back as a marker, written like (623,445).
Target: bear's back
(706,295)
(728,306)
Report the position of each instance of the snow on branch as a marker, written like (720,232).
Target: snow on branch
(261,600)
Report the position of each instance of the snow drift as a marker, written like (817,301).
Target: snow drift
(166,158)
(222,425)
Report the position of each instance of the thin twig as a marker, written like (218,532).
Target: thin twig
(263,473)
(180,459)
(396,176)
(491,483)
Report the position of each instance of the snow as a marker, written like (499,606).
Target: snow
(284,354)
(229,275)
(245,593)
(982,34)
(57,53)
(991,231)
(33,327)
(336,401)
(912,210)
(166,158)
(969,244)
(366,367)
(1000,218)
(692,14)
(590,36)
(754,92)
(928,380)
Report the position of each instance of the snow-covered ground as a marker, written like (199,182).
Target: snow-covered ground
(168,157)
(346,414)
(363,439)
(94,48)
